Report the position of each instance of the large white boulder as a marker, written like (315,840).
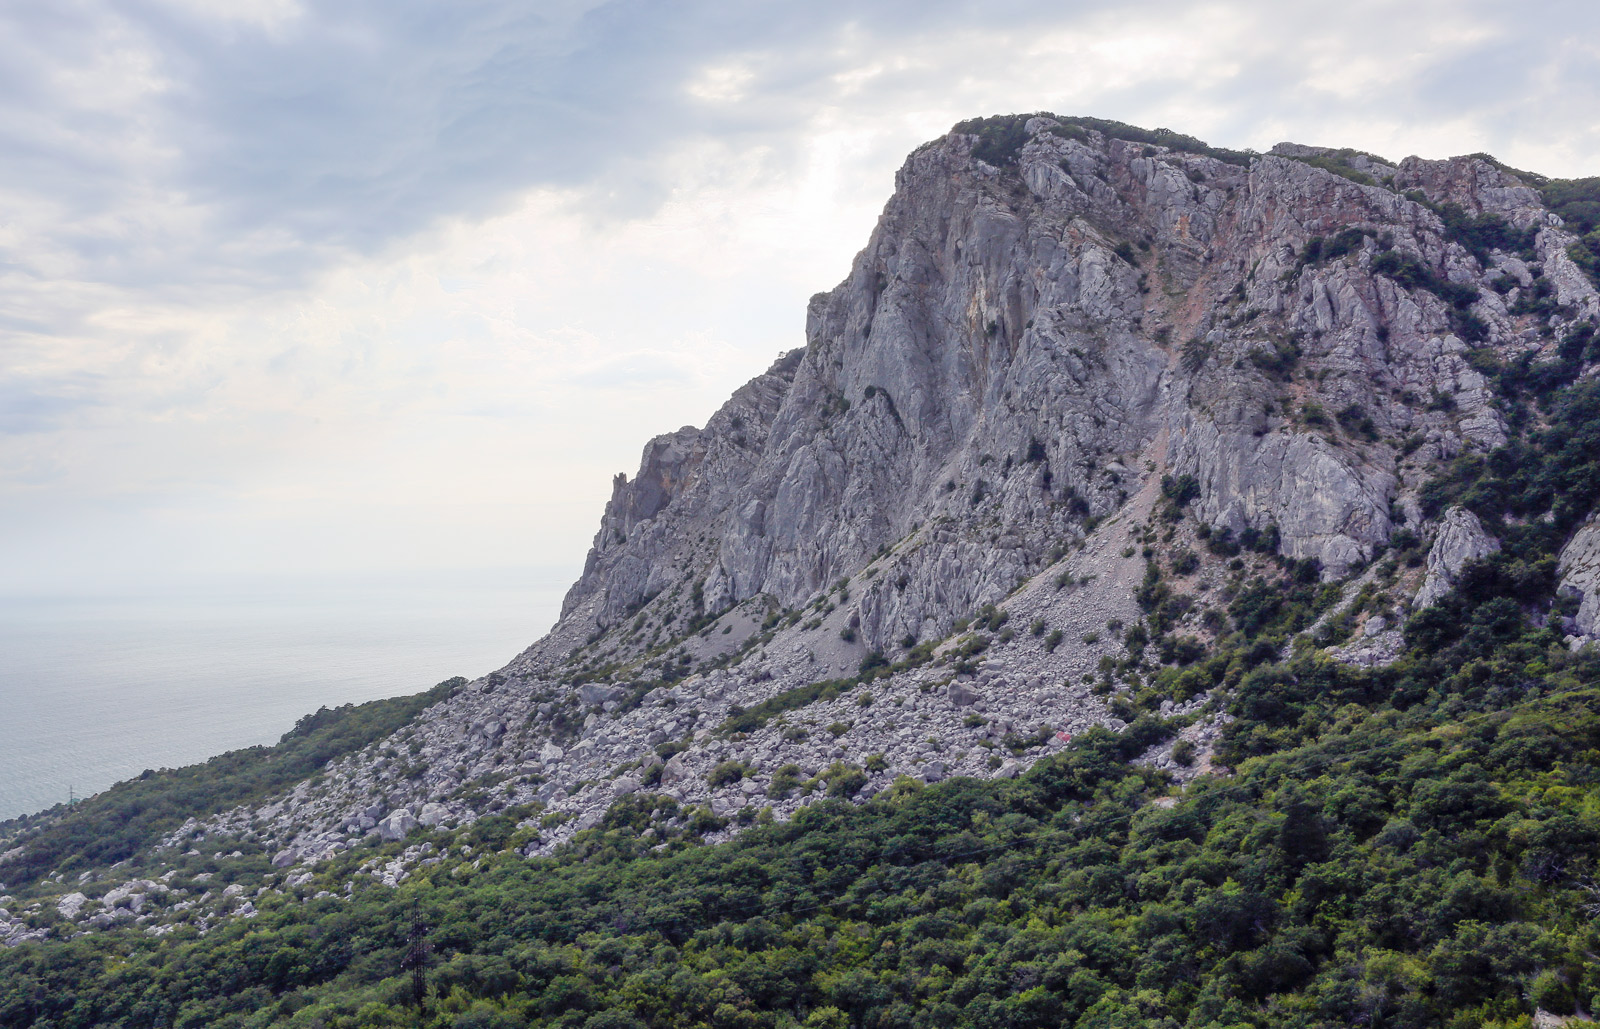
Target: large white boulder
(396,824)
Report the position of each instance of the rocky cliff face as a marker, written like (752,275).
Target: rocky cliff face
(1061,356)
(1014,339)
(923,542)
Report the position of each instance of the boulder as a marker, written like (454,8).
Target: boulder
(593,694)
(675,770)
(961,695)
(432,814)
(285,858)
(71,904)
(396,824)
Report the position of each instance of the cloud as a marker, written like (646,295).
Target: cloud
(31,407)
(635,370)
(181,143)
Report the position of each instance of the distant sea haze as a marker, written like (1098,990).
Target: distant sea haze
(95,689)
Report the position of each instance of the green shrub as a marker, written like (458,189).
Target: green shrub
(727,772)
(784,781)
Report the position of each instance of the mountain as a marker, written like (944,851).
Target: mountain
(1064,362)
(1110,441)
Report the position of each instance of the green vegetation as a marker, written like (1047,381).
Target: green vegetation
(727,772)
(132,816)
(1340,163)
(1194,354)
(1319,250)
(1577,201)
(1416,864)
(1002,136)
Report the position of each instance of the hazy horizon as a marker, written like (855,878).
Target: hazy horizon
(97,689)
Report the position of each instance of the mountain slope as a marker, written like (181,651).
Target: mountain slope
(1103,425)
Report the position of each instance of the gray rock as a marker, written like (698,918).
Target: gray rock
(592,694)
(550,753)
(1579,568)
(286,857)
(1374,651)
(1461,540)
(71,904)
(675,770)
(960,695)
(396,824)
(432,814)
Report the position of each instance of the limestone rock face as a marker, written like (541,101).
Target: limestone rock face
(1461,540)
(1579,568)
(396,824)
(1015,343)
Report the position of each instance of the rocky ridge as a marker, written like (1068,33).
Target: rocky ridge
(922,544)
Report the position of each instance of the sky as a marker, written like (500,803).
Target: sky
(318,289)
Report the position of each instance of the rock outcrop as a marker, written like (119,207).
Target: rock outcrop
(1461,540)
(1579,568)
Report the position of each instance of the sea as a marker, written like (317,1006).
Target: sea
(94,689)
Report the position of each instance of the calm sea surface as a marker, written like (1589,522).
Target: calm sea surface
(94,690)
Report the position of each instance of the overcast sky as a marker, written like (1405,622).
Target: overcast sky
(317,288)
